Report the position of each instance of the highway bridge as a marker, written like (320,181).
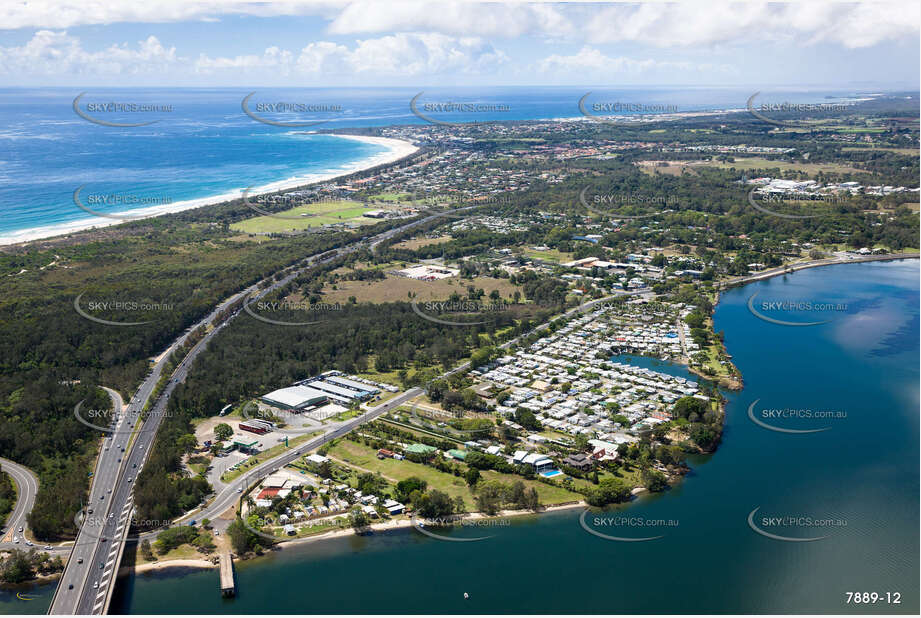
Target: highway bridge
(89,576)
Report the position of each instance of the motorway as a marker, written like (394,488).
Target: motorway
(89,576)
(27,488)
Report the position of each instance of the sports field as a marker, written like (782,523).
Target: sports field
(304,217)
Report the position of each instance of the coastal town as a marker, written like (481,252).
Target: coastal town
(453,329)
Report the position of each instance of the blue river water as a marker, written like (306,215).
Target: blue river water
(855,484)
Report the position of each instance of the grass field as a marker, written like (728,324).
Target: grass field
(394,470)
(390,197)
(314,215)
(904,151)
(415,243)
(551,255)
(395,289)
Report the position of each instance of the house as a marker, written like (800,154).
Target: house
(289,530)
(457,454)
(421,449)
(394,508)
(603,450)
(384,454)
(580,461)
(317,459)
(541,463)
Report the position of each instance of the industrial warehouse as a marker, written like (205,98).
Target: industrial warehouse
(329,387)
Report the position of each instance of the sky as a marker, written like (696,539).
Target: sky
(291,43)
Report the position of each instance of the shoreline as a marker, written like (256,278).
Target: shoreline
(399,524)
(395,524)
(396,149)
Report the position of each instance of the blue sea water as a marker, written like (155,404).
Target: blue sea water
(205,145)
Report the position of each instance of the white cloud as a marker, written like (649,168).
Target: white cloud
(685,24)
(57,53)
(452,18)
(61,14)
(592,60)
(403,54)
(851,25)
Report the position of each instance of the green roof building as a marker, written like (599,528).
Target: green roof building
(420,449)
(457,454)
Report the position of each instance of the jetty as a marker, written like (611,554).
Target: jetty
(227,587)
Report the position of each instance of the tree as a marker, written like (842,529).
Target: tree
(688,405)
(187,443)
(472,475)
(325,470)
(146,551)
(242,539)
(222,431)
(434,504)
(609,490)
(358,518)
(18,567)
(654,480)
(405,488)
(490,496)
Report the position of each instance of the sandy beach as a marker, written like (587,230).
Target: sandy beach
(394,524)
(167,564)
(396,149)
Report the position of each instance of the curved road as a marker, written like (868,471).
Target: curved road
(97,551)
(27,488)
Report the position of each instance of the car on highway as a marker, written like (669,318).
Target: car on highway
(90,511)
(47,547)
(130,479)
(239,490)
(29,543)
(70,587)
(95,585)
(79,560)
(20,529)
(16,540)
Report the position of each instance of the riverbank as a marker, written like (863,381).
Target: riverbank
(791,268)
(862,366)
(394,524)
(148,567)
(397,524)
(396,150)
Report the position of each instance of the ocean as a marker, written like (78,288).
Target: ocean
(203,146)
(853,486)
